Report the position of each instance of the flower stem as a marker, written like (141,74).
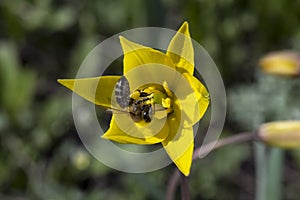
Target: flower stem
(237,138)
(276,157)
(172,185)
(184,185)
(173,182)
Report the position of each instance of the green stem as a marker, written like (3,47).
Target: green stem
(261,171)
(260,149)
(268,172)
(275,174)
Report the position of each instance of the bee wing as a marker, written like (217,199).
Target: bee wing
(122,92)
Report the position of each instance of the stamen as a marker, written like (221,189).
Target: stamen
(166,103)
(166,88)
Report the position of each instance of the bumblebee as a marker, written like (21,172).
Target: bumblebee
(139,104)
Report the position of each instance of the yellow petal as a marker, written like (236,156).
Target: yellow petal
(192,99)
(180,148)
(97,90)
(181,50)
(202,98)
(136,55)
(118,135)
(174,119)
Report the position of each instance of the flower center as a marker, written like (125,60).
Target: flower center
(148,101)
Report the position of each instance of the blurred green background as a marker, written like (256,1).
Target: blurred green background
(41,154)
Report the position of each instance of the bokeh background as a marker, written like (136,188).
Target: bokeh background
(41,155)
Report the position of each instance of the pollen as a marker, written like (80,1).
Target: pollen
(166,103)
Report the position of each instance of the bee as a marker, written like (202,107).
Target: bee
(139,105)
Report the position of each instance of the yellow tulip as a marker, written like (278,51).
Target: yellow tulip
(182,111)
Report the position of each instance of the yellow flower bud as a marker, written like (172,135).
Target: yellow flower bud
(284,134)
(284,63)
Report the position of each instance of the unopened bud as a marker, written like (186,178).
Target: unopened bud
(284,63)
(284,134)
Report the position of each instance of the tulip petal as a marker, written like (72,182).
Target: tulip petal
(192,99)
(202,99)
(181,50)
(136,55)
(118,135)
(180,148)
(97,90)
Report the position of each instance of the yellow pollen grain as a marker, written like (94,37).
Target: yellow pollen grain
(166,102)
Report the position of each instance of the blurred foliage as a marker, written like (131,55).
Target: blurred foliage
(210,172)
(42,40)
(277,97)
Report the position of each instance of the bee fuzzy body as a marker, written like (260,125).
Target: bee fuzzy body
(141,109)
